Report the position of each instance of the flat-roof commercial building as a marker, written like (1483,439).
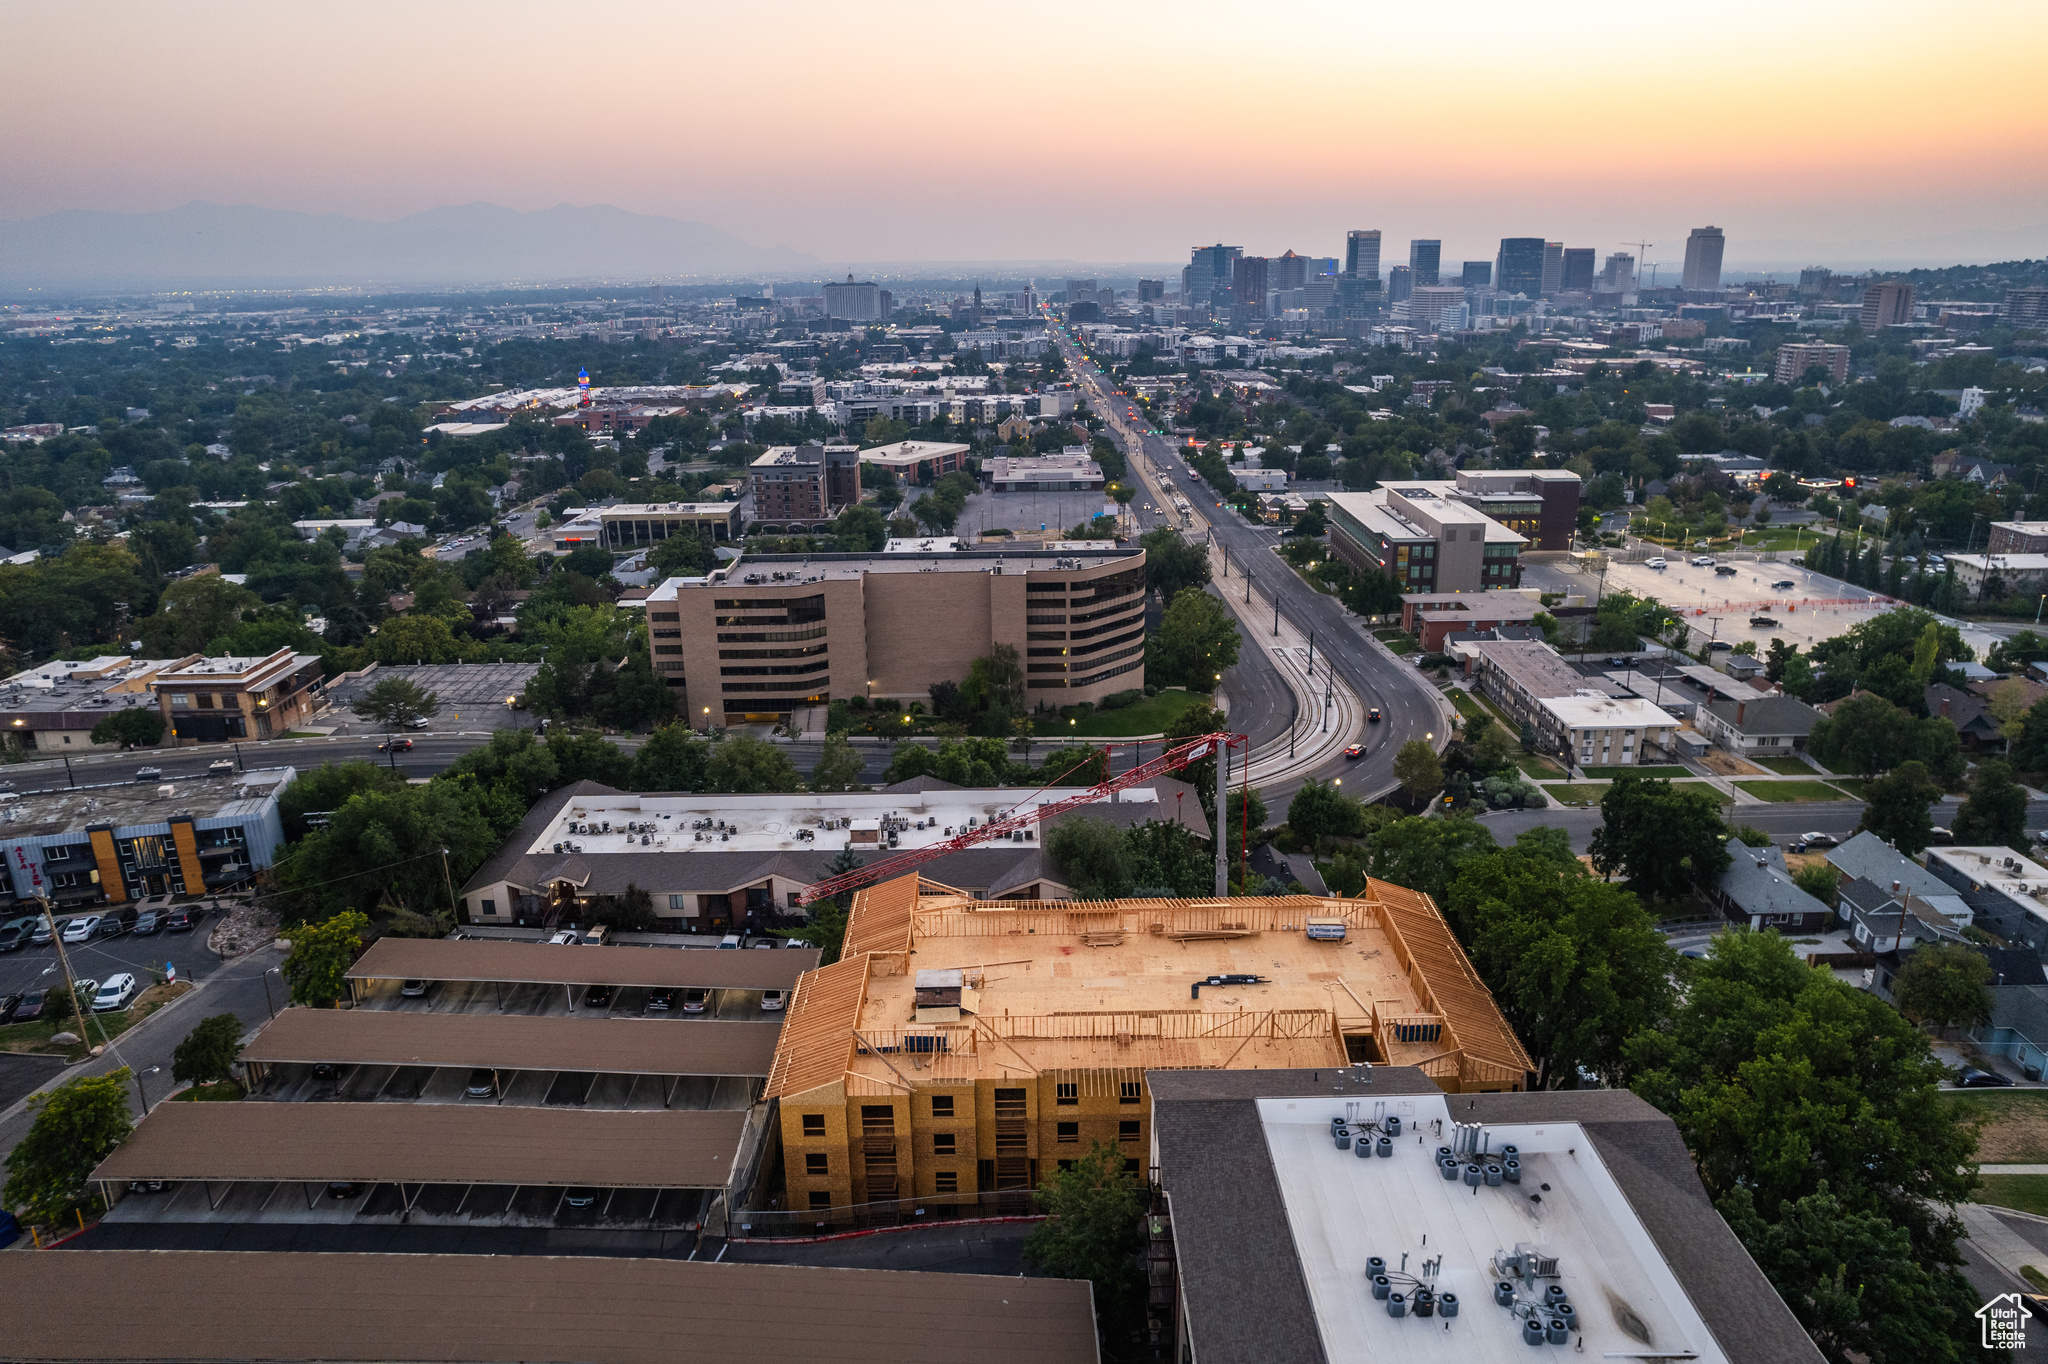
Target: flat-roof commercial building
(2006,892)
(960,1048)
(1569,1218)
(1427,541)
(1608,731)
(1540,504)
(219,700)
(918,461)
(649,523)
(2013,537)
(282,1306)
(112,845)
(713,862)
(1524,676)
(52,708)
(1044,473)
(1432,617)
(761,637)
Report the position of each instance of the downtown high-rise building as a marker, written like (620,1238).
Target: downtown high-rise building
(1814,281)
(1209,268)
(1151,290)
(856,300)
(1703,259)
(1362,253)
(1553,267)
(1477,274)
(1400,281)
(1424,259)
(1578,270)
(1249,282)
(1619,274)
(1887,305)
(1518,269)
(1287,272)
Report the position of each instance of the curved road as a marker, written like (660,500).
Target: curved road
(1261,702)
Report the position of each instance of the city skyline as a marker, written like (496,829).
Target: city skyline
(779,152)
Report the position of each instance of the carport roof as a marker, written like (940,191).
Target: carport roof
(295,1305)
(616,1046)
(425,1143)
(528,963)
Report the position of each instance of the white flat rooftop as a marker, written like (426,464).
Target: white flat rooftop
(782,823)
(1343,1210)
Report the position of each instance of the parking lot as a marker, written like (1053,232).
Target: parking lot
(516,1088)
(1025,512)
(34,968)
(446,1205)
(627,1001)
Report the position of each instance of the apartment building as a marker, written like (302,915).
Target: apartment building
(1591,721)
(52,708)
(803,485)
(1886,305)
(962,1048)
(115,845)
(1429,541)
(2018,537)
(761,637)
(218,700)
(1794,359)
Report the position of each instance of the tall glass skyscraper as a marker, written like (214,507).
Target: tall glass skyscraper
(1424,259)
(1518,269)
(1362,253)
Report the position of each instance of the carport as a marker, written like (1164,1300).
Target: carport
(659,1049)
(498,964)
(414,1148)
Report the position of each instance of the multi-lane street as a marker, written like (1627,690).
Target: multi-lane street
(1260,702)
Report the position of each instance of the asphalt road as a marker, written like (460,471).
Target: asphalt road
(1407,702)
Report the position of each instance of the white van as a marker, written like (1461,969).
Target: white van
(731,940)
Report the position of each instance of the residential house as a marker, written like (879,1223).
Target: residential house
(1757,892)
(2018,1026)
(1766,725)
(1870,858)
(1970,714)
(1892,923)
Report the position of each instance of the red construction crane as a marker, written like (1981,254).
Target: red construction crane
(1173,760)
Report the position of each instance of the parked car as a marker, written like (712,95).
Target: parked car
(566,938)
(730,940)
(395,746)
(1703,561)
(482,1085)
(30,1006)
(772,1001)
(660,1001)
(149,922)
(116,922)
(418,722)
(1817,839)
(580,1197)
(764,943)
(8,1004)
(115,993)
(794,942)
(1783,585)
(342,1188)
(325,1071)
(221,767)
(694,1000)
(1940,837)
(15,934)
(1969,1077)
(596,935)
(1355,751)
(180,921)
(1617,661)
(413,989)
(84,991)
(1658,564)
(1719,646)
(149,774)
(41,936)
(598,997)
(82,928)
(148,1186)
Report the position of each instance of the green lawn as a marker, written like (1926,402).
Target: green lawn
(2013,1124)
(1611,772)
(35,1037)
(1784,765)
(1851,785)
(1785,792)
(1576,792)
(2025,1193)
(1150,716)
(1465,703)
(1401,646)
(1537,766)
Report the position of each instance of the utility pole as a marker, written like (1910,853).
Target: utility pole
(450,883)
(1221,831)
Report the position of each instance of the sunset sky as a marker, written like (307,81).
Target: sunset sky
(1104,131)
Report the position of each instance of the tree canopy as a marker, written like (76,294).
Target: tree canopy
(1664,839)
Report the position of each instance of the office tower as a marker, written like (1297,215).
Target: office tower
(2026,307)
(1286,272)
(1209,269)
(1080,291)
(1357,295)
(1814,281)
(1248,285)
(858,302)
(1887,305)
(1703,259)
(1362,253)
(1441,306)
(1553,267)
(1619,273)
(1478,274)
(1424,257)
(1151,290)
(1400,280)
(1518,269)
(1578,270)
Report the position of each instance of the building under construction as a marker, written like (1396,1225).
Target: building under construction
(959,1046)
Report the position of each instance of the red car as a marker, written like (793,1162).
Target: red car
(1355,751)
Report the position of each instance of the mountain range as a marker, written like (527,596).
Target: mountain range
(205,245)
